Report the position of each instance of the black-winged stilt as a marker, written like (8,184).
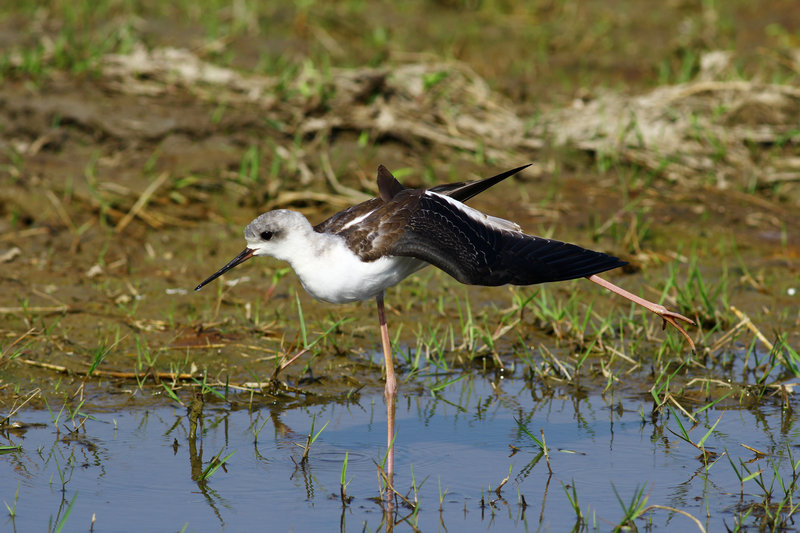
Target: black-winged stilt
(358,253)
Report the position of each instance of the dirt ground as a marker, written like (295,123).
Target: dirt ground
(124,187)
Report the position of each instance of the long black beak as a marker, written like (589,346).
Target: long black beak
(246,254)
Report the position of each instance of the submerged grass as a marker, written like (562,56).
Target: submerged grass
(776,486)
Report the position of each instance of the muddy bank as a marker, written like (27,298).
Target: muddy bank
(123,189)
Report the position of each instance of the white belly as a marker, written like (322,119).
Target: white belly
(340,278)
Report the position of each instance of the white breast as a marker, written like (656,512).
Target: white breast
(335,274)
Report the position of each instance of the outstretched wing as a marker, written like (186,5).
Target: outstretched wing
(477,249)
(465,190)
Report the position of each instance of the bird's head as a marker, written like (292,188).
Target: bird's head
(268,234)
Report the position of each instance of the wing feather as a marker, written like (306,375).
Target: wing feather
(467,245)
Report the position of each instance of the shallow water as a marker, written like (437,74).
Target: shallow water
(126,470)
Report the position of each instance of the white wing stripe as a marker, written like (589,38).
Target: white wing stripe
(496,223)
(356,220)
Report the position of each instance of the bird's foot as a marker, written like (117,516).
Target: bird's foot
(672,318)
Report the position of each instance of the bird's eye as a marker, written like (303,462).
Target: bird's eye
(266,235)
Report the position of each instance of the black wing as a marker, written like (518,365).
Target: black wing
(475,251)
(465,190)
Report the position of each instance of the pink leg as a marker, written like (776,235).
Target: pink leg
(668,316)
(390,392)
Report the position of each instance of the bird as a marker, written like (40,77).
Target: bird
(361,251)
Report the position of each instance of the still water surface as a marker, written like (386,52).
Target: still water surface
(133,467)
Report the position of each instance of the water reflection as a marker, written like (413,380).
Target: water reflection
(465,460)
